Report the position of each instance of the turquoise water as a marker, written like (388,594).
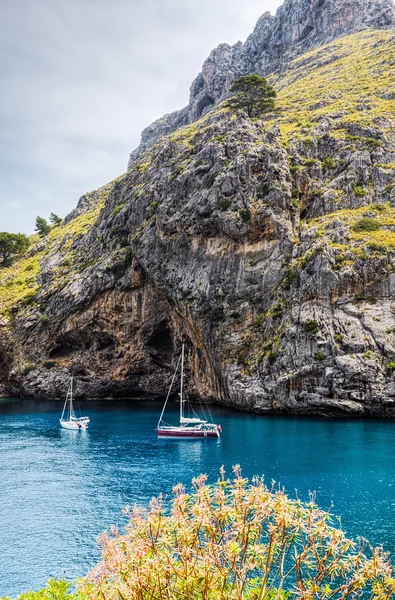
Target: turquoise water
(59,489)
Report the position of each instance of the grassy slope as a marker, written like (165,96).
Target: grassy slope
(356,72)
(19,281)
(344,77)
(352,71)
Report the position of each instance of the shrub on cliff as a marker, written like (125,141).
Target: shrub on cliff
(55,219)
(12,244)
(42,227)
(311,326)
(235,540)
(253,94)
(366,224)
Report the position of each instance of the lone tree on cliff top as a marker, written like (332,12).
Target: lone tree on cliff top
(253,94)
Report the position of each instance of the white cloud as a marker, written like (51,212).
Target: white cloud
(80,79)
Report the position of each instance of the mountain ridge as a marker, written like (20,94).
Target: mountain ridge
(299,25)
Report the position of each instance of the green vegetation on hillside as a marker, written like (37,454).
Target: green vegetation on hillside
(55,219)
(365,230)
(42,227)
(19,282)
(352,78)
(253,94)
(12,244)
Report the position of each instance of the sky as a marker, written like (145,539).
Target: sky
(80,80)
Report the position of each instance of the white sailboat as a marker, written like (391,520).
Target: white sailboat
(189,427)
(68,419)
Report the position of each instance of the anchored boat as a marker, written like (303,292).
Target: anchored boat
(68,419)
(190,427)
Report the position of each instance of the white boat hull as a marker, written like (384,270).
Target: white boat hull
(79,426)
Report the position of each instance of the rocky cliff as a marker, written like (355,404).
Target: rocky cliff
(268,245)
(298,26)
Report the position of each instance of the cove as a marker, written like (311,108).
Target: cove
(60,489)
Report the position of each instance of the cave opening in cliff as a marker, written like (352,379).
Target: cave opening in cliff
(64,346)
(105,341)
(203,104)
(306,31)
(161,343)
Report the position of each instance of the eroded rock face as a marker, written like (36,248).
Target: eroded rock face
(276,315)
(132,305)
(268,246)
(299,25)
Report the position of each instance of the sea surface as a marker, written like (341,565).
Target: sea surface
(59,489)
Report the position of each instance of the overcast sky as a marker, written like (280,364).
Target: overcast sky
(79,81)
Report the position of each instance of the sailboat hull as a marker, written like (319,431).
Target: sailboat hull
(74,426)
(187,434)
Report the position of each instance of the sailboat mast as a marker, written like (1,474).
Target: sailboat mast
(182,384)
(65,405)
(71,398)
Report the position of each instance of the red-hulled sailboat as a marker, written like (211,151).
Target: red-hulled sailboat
(189,427)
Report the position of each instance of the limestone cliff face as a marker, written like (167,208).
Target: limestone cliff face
(298,26)
(267,245)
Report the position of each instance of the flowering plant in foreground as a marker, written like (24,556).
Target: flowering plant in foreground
(235,540)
